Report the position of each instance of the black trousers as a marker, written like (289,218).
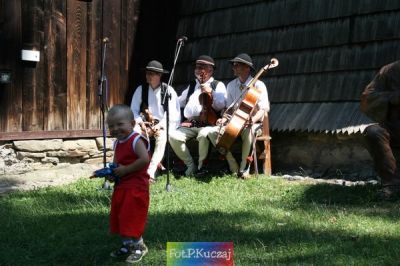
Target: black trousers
(382,141)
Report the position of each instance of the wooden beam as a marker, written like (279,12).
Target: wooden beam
(112,30)
(93,66)
(61,134)
(55,58)
(76,64)
(267,168)
(10,46)
(33,85)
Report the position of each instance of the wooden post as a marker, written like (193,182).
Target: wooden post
(267,148)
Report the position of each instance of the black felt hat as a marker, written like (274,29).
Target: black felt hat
(244,59)
(155,66)
(205,60)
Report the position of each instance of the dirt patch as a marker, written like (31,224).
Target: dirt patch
(65,174)
(45,177)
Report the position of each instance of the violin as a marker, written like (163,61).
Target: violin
(149,122)
(208,116)
(242,114)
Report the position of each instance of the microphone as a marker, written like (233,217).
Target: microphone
(106,40)
(183,39)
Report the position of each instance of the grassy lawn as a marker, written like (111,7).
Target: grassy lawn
(270,221)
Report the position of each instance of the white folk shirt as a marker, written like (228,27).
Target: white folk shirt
(155,106)
(234,92)
(193,106)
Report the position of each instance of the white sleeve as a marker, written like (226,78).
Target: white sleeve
(193,107)
(219,97)
(263,103)
(135,104)
(182,98)
(174,109)
(229,96)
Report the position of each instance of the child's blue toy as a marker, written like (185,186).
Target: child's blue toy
(107,172)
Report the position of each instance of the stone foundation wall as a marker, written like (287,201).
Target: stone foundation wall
(322,155)
(316,155)
(27,155)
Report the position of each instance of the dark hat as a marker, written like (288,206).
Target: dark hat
(244,59)
(155,66)
(205,60)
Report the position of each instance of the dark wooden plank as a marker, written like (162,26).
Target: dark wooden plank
(125,51)
(307,36)
(55,58)
(190,8)
(350,57)
(111,29)
(53,134)
(4,64)
(318,117)
(129,21)
(271,14)
(381,26)
(93,63)
(10,44)
(369,56)
(76,64)
(331,86)
(132,15)
(33,73)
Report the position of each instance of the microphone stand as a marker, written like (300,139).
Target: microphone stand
(102,93)
(165,102)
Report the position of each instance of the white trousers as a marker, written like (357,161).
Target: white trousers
(180,136)
(247,141)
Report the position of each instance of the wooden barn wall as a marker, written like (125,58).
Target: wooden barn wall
(10,94)
(60,93)
(155,39)
(328,49)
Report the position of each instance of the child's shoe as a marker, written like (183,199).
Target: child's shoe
(124,250)
(137,253)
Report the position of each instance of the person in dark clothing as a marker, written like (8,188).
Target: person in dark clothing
(380,101)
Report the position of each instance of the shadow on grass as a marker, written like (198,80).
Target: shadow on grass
(261,240)
(205,178)
(71,229)
(360,200)
(8,184)
(340,195)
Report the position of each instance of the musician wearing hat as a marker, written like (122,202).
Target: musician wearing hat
(200,113)
(242,65)
(149,111)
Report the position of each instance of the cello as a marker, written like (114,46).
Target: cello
(228,132)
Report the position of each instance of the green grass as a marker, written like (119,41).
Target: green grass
(270,221)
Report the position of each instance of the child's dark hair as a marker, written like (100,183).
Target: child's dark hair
(121,108)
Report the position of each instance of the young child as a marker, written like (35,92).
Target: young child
(130,199)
